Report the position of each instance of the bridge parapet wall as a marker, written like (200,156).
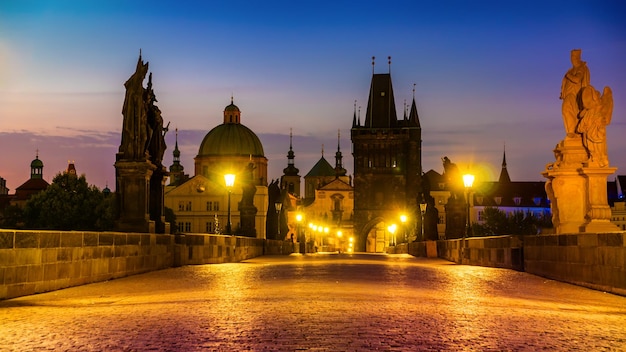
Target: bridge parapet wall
(493,251)
(40,261)
(595,260)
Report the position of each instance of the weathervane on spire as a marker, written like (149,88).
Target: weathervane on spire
(373,63)
(389,62)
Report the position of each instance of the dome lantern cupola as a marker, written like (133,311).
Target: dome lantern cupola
(232,114)
(36,167)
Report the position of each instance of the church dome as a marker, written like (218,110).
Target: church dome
(231,139)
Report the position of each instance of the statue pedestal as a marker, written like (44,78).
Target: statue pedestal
(598,212)
(133,186)
(577,191)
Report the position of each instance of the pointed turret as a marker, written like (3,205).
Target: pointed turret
(414,119)
(339,170)
(177,171)
(291,169)
(291,178)
(504,174)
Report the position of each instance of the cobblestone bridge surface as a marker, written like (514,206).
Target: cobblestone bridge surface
(319,303)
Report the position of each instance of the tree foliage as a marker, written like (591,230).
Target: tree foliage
(497,222)
(69,203)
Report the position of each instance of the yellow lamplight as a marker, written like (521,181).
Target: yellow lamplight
(230,180)
(468,180)
(403,218)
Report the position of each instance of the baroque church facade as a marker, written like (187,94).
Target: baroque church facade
(202,203)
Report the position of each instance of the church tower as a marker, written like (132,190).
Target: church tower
(177,170)
(387,166)
(290,180)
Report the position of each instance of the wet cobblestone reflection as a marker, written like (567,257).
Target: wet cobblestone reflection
(319,303)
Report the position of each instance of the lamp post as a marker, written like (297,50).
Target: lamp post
(423,212)
(302,248)
(468,181)
(392,230)
(403,220)
(229,179)
(278,206)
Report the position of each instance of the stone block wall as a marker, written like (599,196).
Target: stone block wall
(496,251)
(40,261)
(213,249)
(595,260)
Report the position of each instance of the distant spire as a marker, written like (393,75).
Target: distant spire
(389,62)
(504,174)
(176,152)
(291,170)
(338,139)
(358,120)
(373,63)
(339,170)
(414,119)
(354,117)
(322,150)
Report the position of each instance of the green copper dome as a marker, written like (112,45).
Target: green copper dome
(36,163)
(231,139)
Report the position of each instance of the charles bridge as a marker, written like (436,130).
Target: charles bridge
(40,261)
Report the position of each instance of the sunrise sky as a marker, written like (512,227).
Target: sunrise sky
(487,74)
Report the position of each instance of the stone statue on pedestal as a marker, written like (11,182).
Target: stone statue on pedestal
(576,184)
(140,174)
(135,126)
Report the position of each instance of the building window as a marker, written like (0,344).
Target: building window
(187,227)
(209,207)
(188,206)
(480,215)
(181,205)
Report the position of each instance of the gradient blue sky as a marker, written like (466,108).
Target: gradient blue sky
(487,73)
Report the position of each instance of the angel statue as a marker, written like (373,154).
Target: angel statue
(593,119)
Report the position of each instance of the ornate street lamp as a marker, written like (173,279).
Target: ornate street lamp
(468,181)
(229,179)
(278,206)
(300,237)
(423,212)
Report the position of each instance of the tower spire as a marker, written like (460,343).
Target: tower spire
(339,170)
(504,174)
(354,117)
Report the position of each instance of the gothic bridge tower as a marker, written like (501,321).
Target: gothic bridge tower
(387,168)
